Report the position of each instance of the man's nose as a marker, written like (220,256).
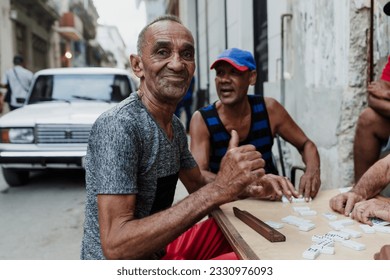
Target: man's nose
(176,63)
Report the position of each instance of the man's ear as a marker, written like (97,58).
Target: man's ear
(253,77)
(136,65)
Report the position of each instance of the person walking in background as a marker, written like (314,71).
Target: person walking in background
(17,80)
(186,104)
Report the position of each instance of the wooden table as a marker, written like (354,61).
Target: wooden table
(249,244)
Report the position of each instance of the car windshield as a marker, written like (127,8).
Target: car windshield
(80,87)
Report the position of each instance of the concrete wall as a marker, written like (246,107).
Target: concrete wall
(326,64)
(316,57)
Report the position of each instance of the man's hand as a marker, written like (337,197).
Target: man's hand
(239,168)
(344,203)
(379,89)
(309,184)
(271,187)
(383,254)
(372,208)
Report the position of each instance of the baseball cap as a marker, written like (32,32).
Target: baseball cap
(239,59)
(386,9)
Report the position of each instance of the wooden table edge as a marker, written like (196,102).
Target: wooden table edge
(240,247)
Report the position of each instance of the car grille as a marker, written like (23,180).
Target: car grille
(59,134)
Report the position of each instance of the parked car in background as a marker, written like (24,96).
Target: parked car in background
(51,130)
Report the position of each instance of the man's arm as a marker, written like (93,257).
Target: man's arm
(381,106)
(282,124)
(124,237)
(193,179)
(379,97)
(373,181)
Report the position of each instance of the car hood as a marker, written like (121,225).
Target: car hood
(55,113)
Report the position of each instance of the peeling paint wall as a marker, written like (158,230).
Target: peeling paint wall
(326,64)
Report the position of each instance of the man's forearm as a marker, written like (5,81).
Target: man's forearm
(311,157)
(381,106)
(374,180)
(140,238)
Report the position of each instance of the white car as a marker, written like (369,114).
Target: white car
(51,130)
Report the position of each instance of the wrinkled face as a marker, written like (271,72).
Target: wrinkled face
(167,60)
(231,84)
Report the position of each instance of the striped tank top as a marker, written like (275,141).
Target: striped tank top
(259,134)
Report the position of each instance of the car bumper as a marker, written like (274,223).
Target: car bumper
(42,160)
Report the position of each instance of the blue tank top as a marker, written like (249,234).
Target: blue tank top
(259,135)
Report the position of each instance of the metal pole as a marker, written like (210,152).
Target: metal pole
(226,27)
(197,44)
(207,54)
(282,87)
(371,46)
(282,81)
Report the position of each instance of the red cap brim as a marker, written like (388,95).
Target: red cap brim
(231,62)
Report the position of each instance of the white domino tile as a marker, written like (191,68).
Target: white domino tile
(353,245)
(367,228)
(274,225)
(351,232)
(311,253)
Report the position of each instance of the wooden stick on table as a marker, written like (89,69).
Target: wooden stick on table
(259,226)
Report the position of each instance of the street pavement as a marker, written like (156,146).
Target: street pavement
(44,219)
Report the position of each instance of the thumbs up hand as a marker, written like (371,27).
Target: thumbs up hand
(239,167)
(234,140)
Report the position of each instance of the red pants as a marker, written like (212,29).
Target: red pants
(204,241)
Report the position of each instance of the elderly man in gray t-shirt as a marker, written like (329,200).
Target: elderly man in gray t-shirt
(138,150)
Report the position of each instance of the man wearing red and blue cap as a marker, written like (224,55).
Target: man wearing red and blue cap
(257,120)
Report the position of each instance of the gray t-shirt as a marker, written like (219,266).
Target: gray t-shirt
(129,153)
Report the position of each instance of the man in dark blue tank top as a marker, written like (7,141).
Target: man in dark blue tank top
(257,120)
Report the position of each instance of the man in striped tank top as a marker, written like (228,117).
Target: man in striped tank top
(257,120)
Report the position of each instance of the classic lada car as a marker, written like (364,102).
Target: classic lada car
(51,130)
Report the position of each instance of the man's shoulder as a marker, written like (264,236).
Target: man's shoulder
(23,70)
(271,102)
(128,108)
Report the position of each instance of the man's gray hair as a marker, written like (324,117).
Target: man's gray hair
(141,36)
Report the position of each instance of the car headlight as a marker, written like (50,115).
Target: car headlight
(17,135)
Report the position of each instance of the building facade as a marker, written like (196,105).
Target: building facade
(53,33)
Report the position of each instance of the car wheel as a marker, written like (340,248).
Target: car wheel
(14,177)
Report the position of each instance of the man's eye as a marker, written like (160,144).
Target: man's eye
(219,73)
(236,72)
(163,52)
(188,55)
